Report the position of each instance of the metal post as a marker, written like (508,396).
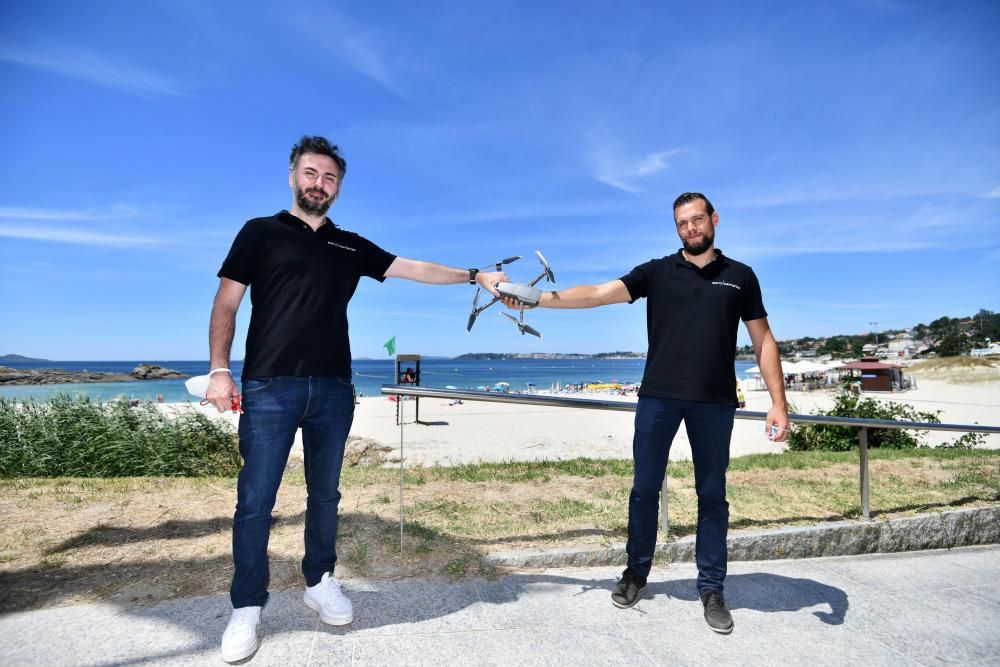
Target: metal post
(399,405)
(863,446)
(664,521)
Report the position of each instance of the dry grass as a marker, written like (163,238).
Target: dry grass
(963,370)
(141,540)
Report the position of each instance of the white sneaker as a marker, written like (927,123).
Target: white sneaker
(326,598)
(240,639)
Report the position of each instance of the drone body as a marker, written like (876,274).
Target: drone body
(527,295)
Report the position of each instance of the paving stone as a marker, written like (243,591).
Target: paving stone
(580,647)
(915,608)
(412,607)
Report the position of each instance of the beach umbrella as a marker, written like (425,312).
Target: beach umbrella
(753,370)
(810,367)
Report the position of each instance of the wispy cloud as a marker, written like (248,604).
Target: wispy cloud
(843,305)
(89,66)
(362,50)
(626,173)
(62,235)
(806,247)
(993,194)
(57,225)
(870,226)
(28,213)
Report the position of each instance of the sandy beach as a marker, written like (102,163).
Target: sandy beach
(488,432)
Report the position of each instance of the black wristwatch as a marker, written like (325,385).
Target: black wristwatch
(472,276)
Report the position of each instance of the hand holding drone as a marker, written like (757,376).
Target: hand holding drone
(526,295)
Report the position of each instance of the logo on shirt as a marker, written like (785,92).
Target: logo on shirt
(342,246)
(723,283)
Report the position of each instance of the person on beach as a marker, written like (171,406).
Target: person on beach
(302,269)
(695,299)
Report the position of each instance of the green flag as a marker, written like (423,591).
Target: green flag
(390,346)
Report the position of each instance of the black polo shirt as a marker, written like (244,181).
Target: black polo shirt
(692,317)
(300,282)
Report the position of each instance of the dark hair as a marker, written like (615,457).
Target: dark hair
(689,197)
(319,146)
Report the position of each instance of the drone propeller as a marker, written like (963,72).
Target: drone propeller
(526,329)
(475,313)
(548,272)
(521,326)
(498,264)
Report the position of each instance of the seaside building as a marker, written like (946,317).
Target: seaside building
(875,375)
(990,349)
(902,345)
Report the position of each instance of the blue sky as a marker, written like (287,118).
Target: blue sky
(852,149)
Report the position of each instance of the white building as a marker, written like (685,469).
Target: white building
(902,345)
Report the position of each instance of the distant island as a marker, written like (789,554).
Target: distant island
(490,356)
(21,359)
(17,376)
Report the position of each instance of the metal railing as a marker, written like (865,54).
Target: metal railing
(627,406)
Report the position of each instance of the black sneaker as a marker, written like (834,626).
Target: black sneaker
(626,591)
(716,613)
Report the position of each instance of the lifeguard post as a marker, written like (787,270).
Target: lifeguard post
(413,379)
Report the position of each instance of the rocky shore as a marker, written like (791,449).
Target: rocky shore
(13,376)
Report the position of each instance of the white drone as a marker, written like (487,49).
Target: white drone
(527,295)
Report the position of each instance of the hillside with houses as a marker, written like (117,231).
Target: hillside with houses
(976,335)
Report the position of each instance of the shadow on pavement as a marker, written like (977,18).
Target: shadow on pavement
(768,593)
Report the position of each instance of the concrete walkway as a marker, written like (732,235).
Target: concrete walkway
(901,609)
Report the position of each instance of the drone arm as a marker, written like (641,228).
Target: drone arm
(485,306)
(532,283)
(497,265)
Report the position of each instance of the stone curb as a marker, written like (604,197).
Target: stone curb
(942,530)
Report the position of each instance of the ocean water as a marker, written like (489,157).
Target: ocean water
(369,376)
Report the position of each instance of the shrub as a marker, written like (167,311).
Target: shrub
(845,438)
(72,436)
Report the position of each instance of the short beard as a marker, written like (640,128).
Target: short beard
(306,205)
(702,247)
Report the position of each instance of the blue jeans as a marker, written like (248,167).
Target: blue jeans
(709,428)
(274,408)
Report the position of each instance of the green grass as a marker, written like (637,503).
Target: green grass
(72,436)
(544,471)
(459,567)
(518,471)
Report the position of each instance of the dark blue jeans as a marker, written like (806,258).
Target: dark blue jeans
(709,427)
(273,409)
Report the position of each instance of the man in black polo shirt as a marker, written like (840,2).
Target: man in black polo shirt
(695,299)
(302,270)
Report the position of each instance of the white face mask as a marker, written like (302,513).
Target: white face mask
(198,385)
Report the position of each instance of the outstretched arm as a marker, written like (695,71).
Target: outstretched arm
(769,360)
(581,296)
(438,274)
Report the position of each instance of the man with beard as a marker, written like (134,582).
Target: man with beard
(695,300)
(303,270)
